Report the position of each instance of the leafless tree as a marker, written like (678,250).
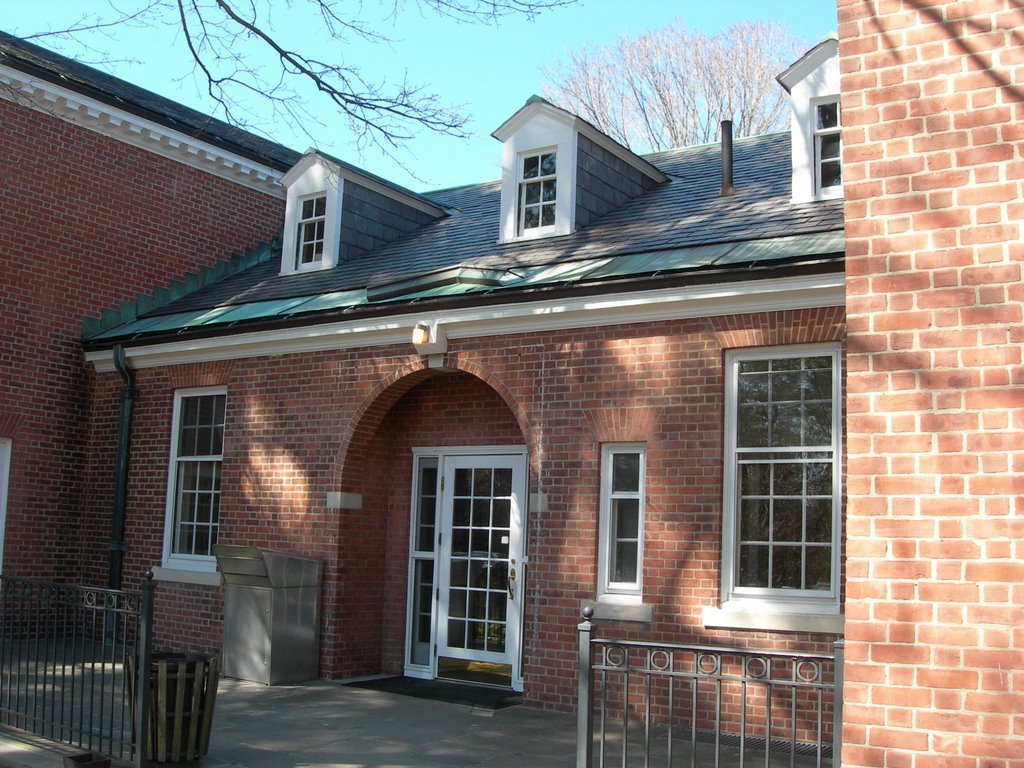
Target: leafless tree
(672,87)
(234,47)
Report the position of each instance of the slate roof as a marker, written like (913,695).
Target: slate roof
(682,227)
(53,68)
(686,211)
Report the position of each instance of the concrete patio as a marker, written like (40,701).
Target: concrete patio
(330,725)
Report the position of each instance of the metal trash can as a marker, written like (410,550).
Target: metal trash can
(182,695)
(271,615)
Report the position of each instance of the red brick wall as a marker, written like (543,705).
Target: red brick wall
(299,426)
(933,116)
(85,223)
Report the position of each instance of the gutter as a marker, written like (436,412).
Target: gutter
(495,297)
(547,311)
(118,546)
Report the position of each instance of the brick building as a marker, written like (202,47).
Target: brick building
(107,190)
(932,115)
(628,381)
(481,409)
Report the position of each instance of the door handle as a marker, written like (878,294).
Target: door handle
(511,584)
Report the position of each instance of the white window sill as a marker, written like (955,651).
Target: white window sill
(183,576)
(617,609)
(773,620)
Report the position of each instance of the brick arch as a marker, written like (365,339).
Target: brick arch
(376,405)
(780,328)
(10,423)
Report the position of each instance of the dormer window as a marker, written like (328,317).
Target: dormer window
(827,145)
(537,191)
(816,123)
(559,173)
(309,240)
(312,226)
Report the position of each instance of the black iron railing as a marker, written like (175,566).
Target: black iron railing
(666,704)
(64,653)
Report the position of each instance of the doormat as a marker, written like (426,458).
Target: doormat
(438,690)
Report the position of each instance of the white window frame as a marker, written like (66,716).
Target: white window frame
(537,130)
(539,180)
(311,177)
(752,600)
(301,226)
(817,135)
(812,80)
(176,560)
(618,591)
(6,445)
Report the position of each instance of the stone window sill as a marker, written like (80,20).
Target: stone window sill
(773,621)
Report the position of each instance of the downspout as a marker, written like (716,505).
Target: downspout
(117,543)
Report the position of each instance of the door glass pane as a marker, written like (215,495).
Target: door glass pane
(426,505)
(457,604)
(463,482)
(482,483)
(478,589)
(456,633)
(503,482)
(422,608)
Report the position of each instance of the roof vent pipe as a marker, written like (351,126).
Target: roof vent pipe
(727,187)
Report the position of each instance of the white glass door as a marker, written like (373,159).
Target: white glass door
(479,595)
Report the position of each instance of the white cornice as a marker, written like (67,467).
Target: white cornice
(120,125)
(499,320)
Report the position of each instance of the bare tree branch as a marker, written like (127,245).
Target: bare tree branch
(671,87)
(237,54)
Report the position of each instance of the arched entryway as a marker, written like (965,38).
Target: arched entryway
(432,565)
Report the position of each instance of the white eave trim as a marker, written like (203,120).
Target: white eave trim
(313,157)
(770,295)
(578,124)
(123,126)
(807,63)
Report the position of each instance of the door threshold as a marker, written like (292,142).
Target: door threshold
(470,672)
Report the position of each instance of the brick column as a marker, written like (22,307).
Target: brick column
(933,128)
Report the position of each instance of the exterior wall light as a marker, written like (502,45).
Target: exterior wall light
(429,338)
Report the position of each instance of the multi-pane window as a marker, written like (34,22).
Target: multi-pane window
(620,565)
(783,474)
(309,241)
(424,538)
(827,145)
(537,191)
(197,456)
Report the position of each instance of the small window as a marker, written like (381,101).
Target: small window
(537,192)
(827,146)
(782,476)
(309,241)
(197,453)
(620,564)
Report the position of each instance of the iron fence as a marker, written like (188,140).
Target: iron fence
(666,704)
(64,657)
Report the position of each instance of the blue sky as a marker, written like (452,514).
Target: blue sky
(488,70)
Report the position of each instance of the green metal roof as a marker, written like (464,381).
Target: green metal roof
(464,281)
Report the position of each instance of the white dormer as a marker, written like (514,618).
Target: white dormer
(542,146)
(312,218)
(336,212)
(816,124)
(538,172)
